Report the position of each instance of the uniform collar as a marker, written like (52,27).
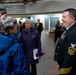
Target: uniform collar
(68,27)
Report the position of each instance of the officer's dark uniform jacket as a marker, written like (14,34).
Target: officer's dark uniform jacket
(65,52)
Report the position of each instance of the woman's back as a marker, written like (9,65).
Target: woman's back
(12,57)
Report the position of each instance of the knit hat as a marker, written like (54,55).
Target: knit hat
(6,23)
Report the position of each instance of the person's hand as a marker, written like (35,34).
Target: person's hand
(58,67)
(41,54)
(2,16)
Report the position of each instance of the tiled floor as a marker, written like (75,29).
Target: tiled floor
(47,66)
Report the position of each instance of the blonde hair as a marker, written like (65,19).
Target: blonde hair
(58,22)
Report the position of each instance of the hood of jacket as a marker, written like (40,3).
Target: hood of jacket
(31,30)
(6,41)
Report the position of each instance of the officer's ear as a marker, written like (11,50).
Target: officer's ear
(72,19)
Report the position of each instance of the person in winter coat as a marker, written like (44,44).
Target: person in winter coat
(12,57)
(32,43)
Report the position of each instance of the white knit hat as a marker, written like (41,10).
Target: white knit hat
(7,21)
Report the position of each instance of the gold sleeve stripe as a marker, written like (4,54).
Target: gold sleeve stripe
(65,70)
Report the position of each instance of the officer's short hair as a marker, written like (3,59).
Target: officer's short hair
(72,12)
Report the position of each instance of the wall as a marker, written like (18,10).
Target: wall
(40,7)
(14,8)
(49,6)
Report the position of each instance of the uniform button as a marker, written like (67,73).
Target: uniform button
(57,47)
(55,53)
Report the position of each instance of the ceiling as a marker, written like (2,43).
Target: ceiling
(27,1)
(17,1)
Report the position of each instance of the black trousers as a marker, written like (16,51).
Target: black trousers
(33,70)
